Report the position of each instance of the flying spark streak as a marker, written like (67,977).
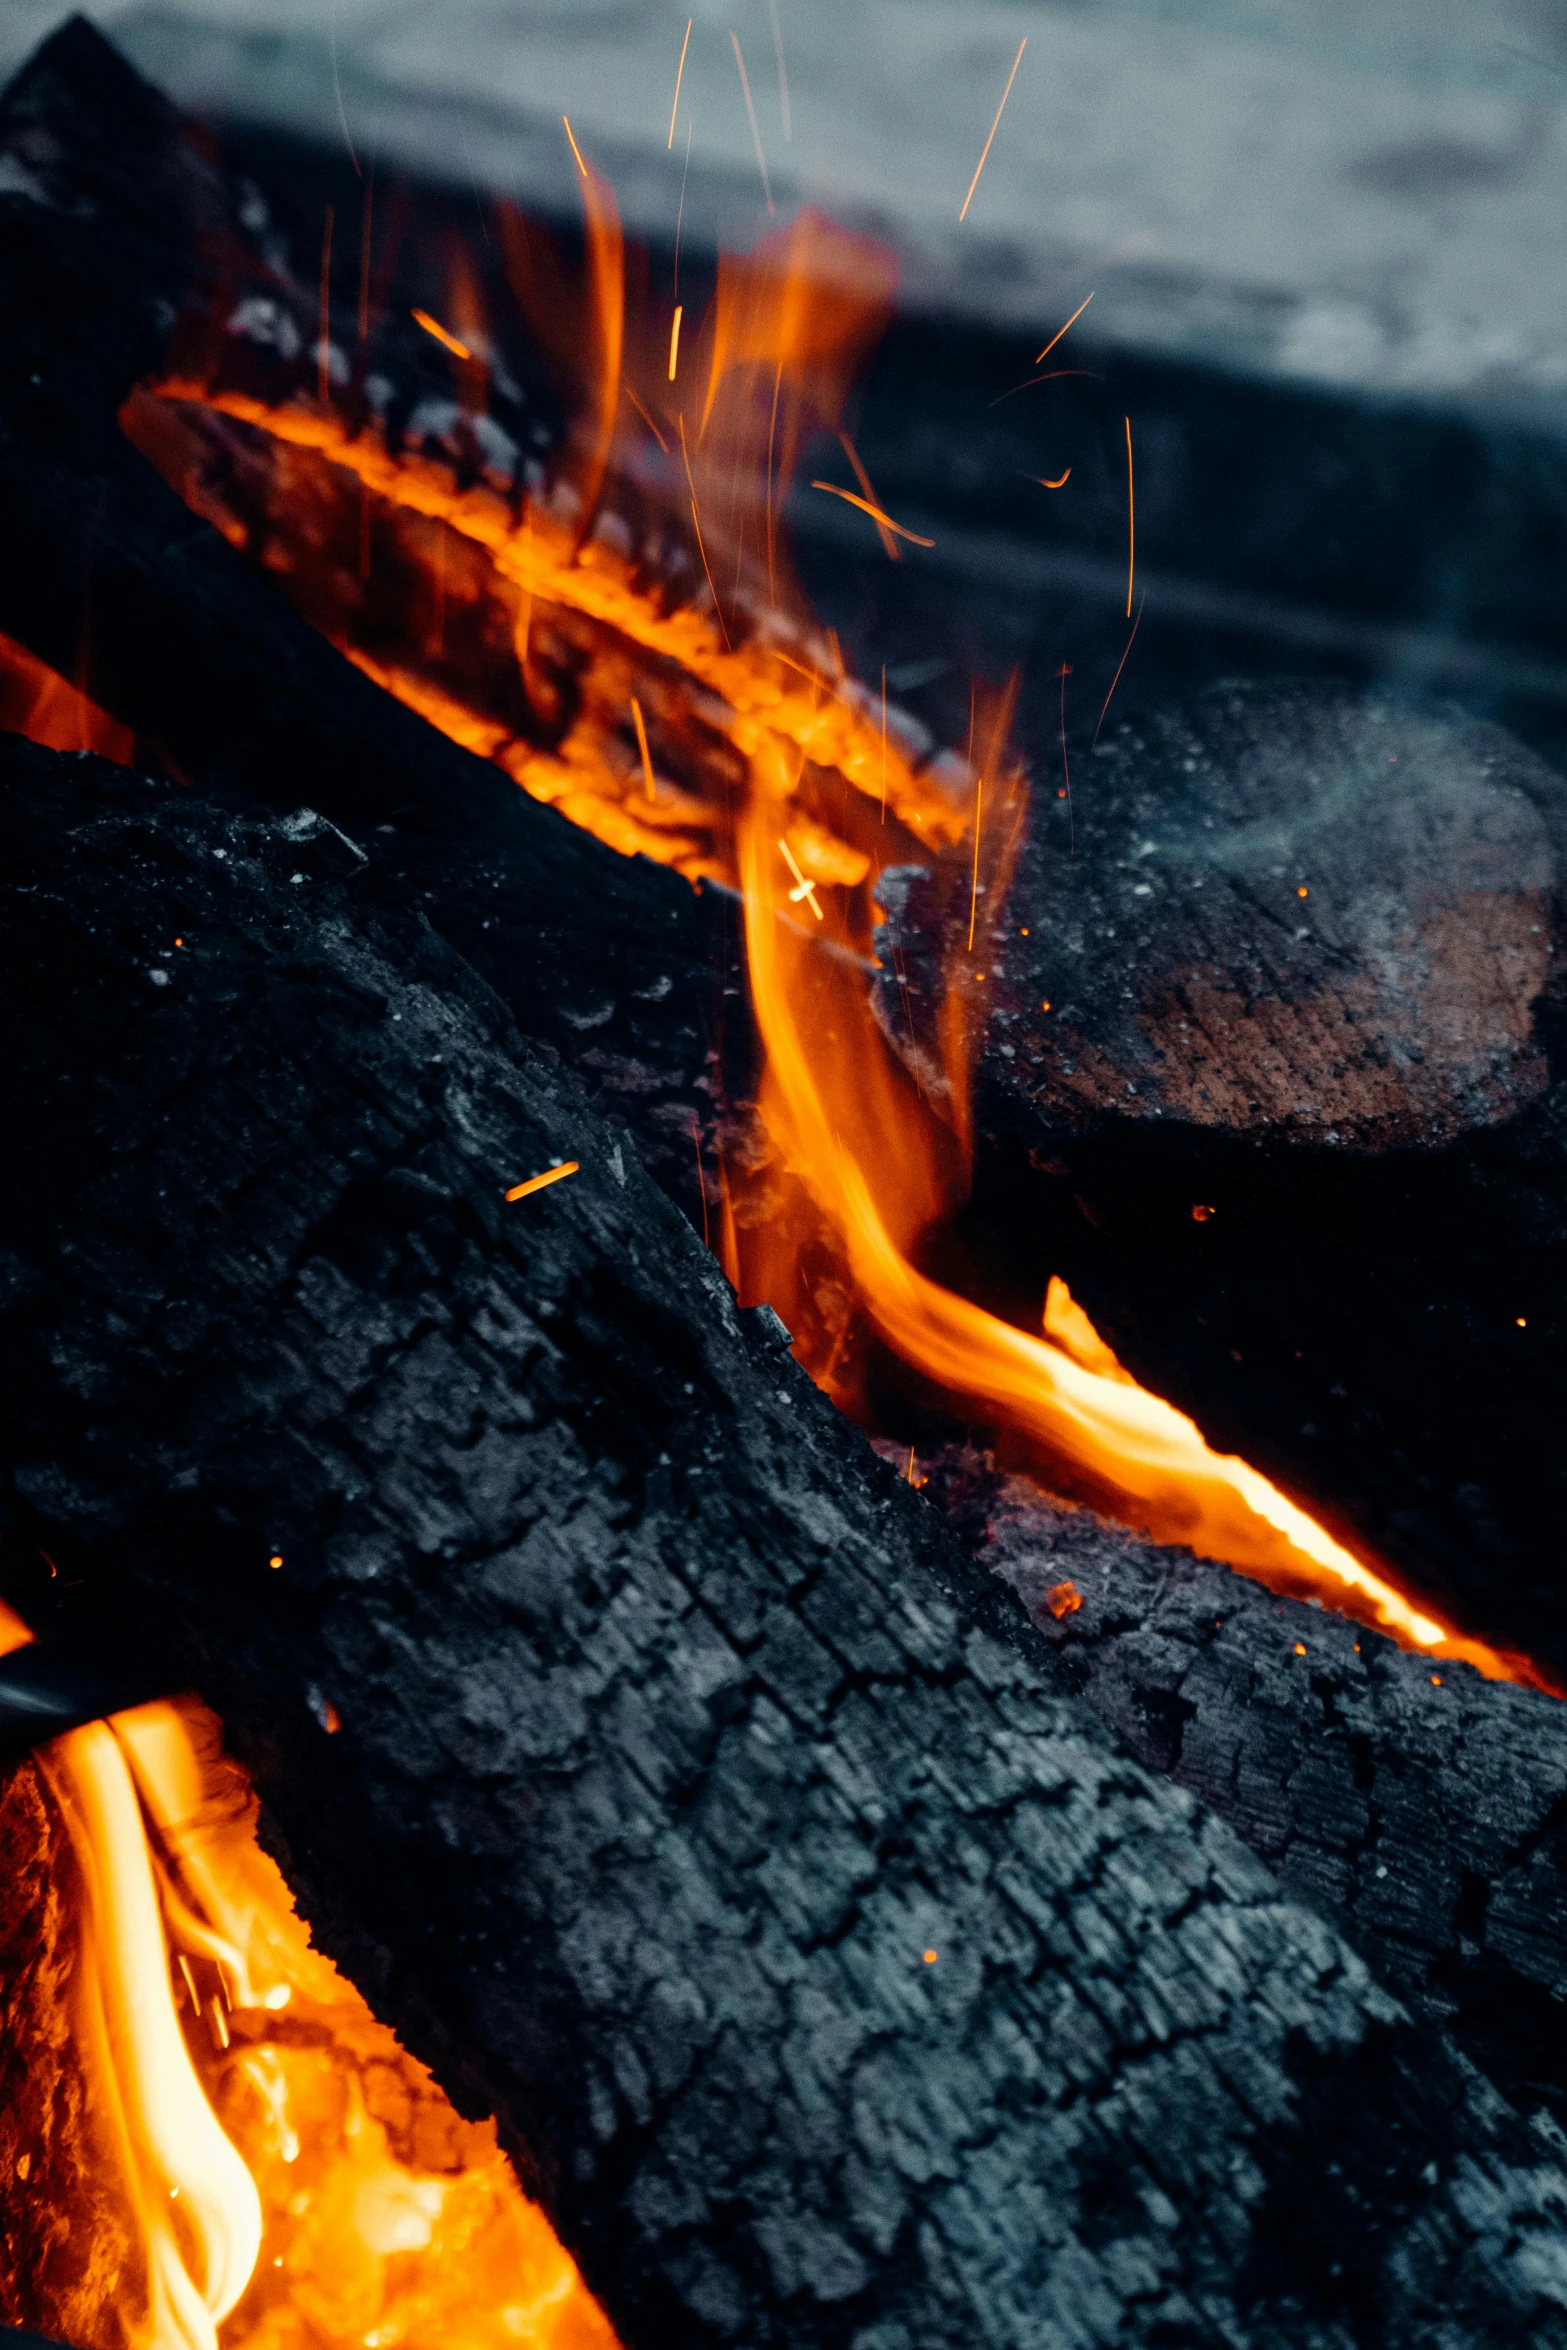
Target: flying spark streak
(1066,771)
(365,222)
(647,420)
(864,480)
(680,215)
(701,1182)
(973,904)
(679,77)
(745,84)
(674,339)
(995,126)
(1050,485)
(647,759)
(433,326)
(804,889)
(1055,338)
(338,91)
(783,70)
(576,150)
(538,1182)
(324,333)
(1131,522)
(882,521)
(1121,664)
(696,523)
(1052,375)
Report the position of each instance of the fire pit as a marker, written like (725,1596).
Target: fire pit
(448,1245)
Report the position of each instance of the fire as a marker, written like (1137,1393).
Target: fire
(290,2176)
(864,1144)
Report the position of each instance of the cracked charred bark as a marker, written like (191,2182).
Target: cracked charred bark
(1420,1808)
(674,1729)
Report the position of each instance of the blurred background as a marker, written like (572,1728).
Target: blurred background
(1323,239)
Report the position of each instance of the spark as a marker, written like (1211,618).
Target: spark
(701,1182)
(930,1956)
(700,548)
(1043,355)
(995,126)
(647,760)
(1059,484)
(276,1560)
(973,904)
(473,180)
(908,1474)
(364,254)
(539,1182)
(1121,664)
(864,480)
(679,77)
(1052,375)
(324,337)
(647,420)
(882,520)
(338,89)
(681,213)
(1131,522)
(761,160)
(1066,772)
(576,150)
(433,326)
(806,889)
(1303,892)
(674,339)
(783,70)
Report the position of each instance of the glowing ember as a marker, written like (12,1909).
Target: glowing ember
(866,1144)
(291,2177)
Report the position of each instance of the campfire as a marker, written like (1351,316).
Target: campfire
(443,1419)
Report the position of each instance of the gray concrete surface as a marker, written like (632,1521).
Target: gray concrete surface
(1365,194)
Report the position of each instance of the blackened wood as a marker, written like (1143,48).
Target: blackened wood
(107,576)
(1421,1808)
(1304,1158)
(629,1730)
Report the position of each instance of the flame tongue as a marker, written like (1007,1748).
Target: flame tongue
(201,2256)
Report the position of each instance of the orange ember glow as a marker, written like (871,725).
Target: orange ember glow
(37,702)
(541,1182)
(861,1143)
(292,2178)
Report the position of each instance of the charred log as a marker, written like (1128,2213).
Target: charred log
(1292,1123)
(111,210)
(645,1748)
(1418,1806)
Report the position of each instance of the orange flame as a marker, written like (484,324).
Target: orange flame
(875,1138)
(291,2173)
(36,701)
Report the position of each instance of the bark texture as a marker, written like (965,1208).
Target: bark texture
(629,1730)
(110,211)
(1421,1808)
(1302,1158)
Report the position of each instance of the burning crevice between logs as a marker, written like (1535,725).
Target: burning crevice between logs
(669,1776)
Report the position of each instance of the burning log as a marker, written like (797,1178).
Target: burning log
(1420,1809)
(1269,1079)
(108,211)
(639,1741)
